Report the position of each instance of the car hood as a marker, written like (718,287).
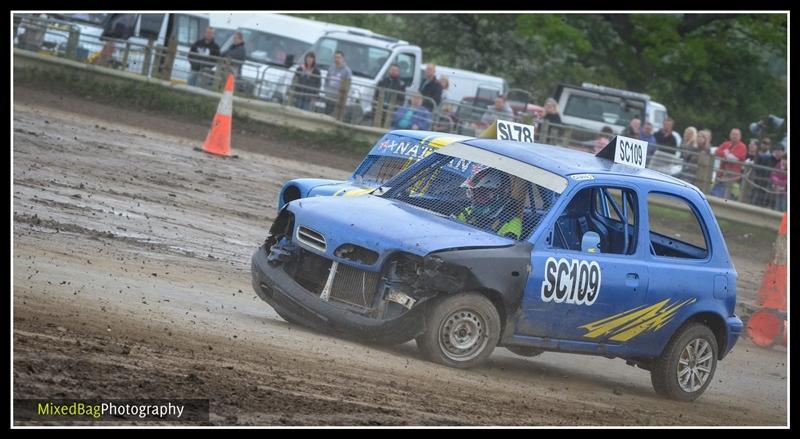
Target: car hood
(386,226)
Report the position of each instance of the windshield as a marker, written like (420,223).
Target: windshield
(614,111)
(365,61)
(262,47)
(472,193)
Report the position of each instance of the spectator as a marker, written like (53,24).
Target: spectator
(337,73)
(199,55)
(105,57)
(632,130)
(647,133)
(778,179)
(764,164)
(237,54)
(394,88)
(602,140)
(688,147)
(693,150)
(752,151)
(445,83)
(734,152)
(764,146)
(414,116)
(431,88)
(496,111)
(551,111)
(689,140)
(444,120)
(665,137)
(307,82)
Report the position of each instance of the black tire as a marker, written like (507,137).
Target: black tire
(471,315)
(525,351)
(664,373)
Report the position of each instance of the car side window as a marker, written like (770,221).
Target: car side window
(675,229)
(599,219)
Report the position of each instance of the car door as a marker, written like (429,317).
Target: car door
(587,267)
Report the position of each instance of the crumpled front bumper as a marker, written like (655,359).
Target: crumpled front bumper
(279,290)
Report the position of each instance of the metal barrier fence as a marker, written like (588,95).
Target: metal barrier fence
(744,181)
(356,102)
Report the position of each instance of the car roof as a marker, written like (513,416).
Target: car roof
(565,161)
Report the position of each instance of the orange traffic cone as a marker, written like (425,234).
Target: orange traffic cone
(218,140)
(764,327)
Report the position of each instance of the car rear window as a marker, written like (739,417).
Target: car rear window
(675,229)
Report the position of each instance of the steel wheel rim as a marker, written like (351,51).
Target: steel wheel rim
(694,365)
(462,335)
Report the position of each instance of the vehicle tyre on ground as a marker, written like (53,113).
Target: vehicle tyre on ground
(462,330)
(687,366)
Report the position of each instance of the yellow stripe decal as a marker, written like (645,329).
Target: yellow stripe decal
(629,324)
(357,192)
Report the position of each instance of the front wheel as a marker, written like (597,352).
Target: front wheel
(687,365)
(462,330)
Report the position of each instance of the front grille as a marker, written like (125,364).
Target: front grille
(311,238)
(350,285)
(354,286)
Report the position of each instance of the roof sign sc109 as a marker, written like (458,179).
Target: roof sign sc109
(627,151)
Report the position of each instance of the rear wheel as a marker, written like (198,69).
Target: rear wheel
(687,365)
(462,330)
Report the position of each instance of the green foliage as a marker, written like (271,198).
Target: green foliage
(714,71)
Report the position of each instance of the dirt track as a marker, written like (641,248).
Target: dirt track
(131,279)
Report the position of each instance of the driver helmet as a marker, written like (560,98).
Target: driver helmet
(488,187)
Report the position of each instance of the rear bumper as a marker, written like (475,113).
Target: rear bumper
(285,295)
(735,327)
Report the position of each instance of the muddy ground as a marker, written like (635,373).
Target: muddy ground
(131,279)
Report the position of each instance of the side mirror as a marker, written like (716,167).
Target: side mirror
(289,61)
(590,242)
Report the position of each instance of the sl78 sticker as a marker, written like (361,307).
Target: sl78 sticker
(574,281)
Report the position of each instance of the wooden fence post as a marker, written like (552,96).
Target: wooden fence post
(148,54)
(342,100)
(377,108)
(705,171)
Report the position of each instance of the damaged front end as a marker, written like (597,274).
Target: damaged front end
(341,295)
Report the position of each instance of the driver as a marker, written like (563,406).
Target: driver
(491,204)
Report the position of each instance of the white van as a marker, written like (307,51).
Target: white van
(468,84)
(139,29)
(369,56)
(274,42)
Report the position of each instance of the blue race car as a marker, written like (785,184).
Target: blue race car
(392,153)
(532,247)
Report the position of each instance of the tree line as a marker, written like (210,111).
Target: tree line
(715,71)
